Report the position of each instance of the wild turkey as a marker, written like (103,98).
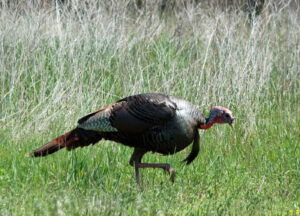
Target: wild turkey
(148,122)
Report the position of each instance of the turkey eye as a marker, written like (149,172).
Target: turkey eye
(227,115)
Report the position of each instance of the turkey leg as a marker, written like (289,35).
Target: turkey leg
(165,167)
(136,162)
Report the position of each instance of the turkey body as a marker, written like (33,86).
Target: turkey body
(152,122)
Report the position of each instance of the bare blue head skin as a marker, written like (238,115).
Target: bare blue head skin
(220,115)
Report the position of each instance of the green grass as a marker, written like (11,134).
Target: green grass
(55,71)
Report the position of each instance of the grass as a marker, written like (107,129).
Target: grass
(55,69)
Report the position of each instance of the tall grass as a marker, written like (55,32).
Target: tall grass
(58,65)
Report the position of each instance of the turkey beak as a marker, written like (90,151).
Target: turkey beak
(231,122)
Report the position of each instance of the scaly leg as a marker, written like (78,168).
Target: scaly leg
(137,175)
(165,167)
(136,159)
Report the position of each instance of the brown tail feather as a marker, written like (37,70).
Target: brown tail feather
(73,139)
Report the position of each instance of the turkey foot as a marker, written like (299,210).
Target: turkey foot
(165,167)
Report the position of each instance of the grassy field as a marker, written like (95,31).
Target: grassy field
(57,66)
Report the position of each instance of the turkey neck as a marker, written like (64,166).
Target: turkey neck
(209,123)
(207,126)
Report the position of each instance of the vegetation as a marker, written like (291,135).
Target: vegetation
(58,65)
